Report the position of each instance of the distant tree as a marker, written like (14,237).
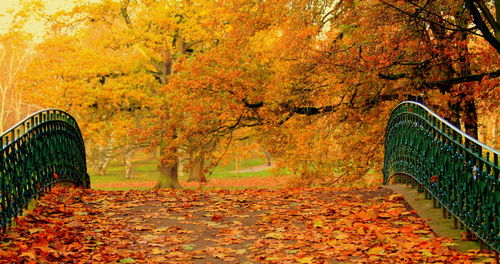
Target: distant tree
(13,58)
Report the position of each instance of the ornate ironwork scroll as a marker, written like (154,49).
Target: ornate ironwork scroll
(43,149)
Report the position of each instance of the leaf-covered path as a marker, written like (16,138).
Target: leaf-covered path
(217,226)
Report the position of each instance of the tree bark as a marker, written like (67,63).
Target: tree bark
(128,163)
(102,166)
(469,114)
(197,168)
(454,116)
(470,118)
(268,157)
(3,108)
(168,177)
(494,137)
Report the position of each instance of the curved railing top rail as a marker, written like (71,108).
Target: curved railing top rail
(28,123)
(471,145)
(432,113)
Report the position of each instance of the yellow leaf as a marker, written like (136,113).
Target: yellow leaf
(28,254)
(157,251)
(376,251)
(35,230)
(342,236)
(318,223)
(275,235)
(395,197)
(306,260)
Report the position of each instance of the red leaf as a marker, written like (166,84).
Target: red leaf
(217,218)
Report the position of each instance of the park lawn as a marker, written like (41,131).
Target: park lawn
(145,173)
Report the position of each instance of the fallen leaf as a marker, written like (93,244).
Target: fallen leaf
(275,235)
(306,260)
(127,260)
(376,251)
(188,246)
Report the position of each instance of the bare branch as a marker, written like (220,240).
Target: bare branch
(123,11)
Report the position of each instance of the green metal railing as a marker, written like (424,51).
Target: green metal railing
(459,172)
(43,149)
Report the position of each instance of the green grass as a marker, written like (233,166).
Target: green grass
(243,165)
(116,173)
(224,174)
(226,171)
(124,189)
(145,170)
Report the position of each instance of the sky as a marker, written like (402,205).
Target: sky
(35,28)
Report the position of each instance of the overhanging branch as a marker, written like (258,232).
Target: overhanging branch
(446,85)
(392,77)
(309,110)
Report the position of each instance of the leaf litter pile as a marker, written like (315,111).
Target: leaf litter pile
(300,225)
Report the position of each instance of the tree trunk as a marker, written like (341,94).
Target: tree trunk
(469,115)
(470,118)
(454,115)
(180,166)
(102,165)
(102,156)
(3,107)
(497,11)
(237,163)
(168,177)
(197,168)
(268,157)
(128,163)
(154,153)
(494,137)
(18,106)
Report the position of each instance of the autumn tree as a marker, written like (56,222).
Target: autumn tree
(344,63)
(167,32)
(454,33)
(425,48)
(83,68)
(106,61)
(14,56)
(244,82)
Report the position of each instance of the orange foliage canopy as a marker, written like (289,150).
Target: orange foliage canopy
(315,80)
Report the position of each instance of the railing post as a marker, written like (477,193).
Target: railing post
(495,161)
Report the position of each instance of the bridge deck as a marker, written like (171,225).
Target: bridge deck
(256,225)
